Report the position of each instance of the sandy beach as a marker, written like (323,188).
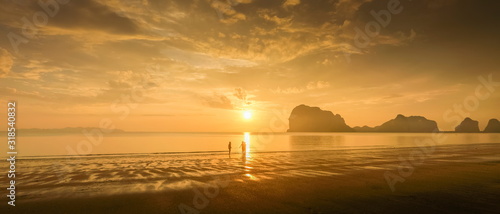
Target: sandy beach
(453,179)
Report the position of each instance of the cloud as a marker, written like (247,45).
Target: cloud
(201,60)
(317,85)
(9,91)
(348,8)
(313,85)
(226,11)
(240,93)
(274,18)
(116,84)
(86,16)
(6,62)
(291,3)
(290,90)
(218,101)
(35,69)
(91,15)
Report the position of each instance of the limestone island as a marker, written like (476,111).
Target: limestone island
(313,119)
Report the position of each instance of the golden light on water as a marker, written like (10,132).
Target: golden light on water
(247,138)
(251,177)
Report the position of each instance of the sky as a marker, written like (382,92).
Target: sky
(198,65)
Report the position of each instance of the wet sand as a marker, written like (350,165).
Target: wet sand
(452,179)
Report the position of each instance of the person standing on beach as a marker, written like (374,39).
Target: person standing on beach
(229,148)
(243,147)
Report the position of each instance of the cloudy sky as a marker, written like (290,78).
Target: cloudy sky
(197,65)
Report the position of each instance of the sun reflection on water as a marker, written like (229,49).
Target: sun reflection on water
(247,139)
(251,177)
(246,158)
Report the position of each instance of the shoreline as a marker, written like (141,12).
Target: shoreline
(182,153)
(453,179)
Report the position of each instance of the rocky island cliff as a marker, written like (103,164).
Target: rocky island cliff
(403,124)
(468,126)
(312,119)
(493,126)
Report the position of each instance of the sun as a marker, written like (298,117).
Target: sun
(247,114)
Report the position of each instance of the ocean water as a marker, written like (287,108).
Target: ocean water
(61,145)
(66,165)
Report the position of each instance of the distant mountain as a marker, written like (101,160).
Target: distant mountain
(408,124)
(364,129)
(468,126)
(403,124)
(312,119)
(493,126)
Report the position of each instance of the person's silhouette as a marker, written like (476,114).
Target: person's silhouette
(229,148)
(243,147)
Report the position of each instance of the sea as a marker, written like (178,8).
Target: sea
(33,146)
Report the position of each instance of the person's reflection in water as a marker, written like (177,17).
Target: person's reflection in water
(244,158)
